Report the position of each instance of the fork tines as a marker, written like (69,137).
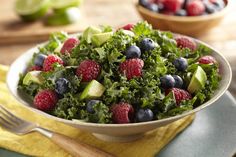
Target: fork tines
(7,119)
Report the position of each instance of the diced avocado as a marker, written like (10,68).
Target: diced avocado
(89,32)
(93,90)
(32,76)
(99,39)
(198,80)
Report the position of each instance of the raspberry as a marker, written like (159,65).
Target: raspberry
(88,70)
(45,100)
(172,5)
(195,8)
(128,27)
(35,68)
(122,113)
(207,60)
(180,94)
(50,60)
(185,42)
(69,44)
(131,68)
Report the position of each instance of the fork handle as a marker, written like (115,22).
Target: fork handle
(75,148)
(78,148)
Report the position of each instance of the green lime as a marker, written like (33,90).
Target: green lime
(68,16)
(59,5)
(31,10)
(198,80)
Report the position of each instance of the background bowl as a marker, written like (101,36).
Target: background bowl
(188,25)
(112,132)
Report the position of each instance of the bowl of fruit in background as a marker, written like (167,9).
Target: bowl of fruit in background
(118,93)
(189,17)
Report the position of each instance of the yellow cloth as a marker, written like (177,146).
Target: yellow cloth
(35,144)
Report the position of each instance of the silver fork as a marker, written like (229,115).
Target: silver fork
(76,148)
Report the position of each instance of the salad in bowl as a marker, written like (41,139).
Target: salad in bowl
(129,75)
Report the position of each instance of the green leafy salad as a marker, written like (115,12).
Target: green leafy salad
(132,74)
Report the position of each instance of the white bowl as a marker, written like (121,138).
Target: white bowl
(113,132)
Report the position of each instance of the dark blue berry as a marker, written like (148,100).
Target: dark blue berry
(153,7)
(181,12)
(147,44)
(143,3)
(39,59)
(133,52)
(167,81)
(62,86)
(210,8)
(144,115)
(181,64)
(219,4)
(178,81)
(90,104)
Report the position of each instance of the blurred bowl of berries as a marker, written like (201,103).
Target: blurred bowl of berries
(189,17)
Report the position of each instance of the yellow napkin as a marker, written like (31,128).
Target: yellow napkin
(35,144)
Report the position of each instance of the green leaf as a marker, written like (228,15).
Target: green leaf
(101,52)
(68,107)
(142,29)
(101,115)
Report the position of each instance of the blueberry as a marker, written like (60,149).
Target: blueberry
(153,7)
(90,104)
(133,52)
(143,3)
(144,115)
(167,81)
(39,59)
(62,86)
(210,9)
(147,44)
(178,81)
(219,4)
(181,12)
(181,64)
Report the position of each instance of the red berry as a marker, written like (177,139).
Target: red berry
(45,100)
(172,5)
(69,44)
(132,68)
(128,27)
(180,94)
(195,8)
(122,113)
(207,60)
(88,70)
(50,60)
(35,68)
(185,42)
